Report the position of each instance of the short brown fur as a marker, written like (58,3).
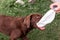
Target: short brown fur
(18,27)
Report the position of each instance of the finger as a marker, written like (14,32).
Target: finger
(58,11)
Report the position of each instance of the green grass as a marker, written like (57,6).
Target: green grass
(52,32)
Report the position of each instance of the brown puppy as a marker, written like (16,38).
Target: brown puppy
(18,27)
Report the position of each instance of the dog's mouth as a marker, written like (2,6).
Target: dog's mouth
(41,28)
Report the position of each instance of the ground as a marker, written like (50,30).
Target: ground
(52,32)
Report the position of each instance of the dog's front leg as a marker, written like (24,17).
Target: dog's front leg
(15,34)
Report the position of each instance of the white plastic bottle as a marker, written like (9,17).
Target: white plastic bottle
(47,18)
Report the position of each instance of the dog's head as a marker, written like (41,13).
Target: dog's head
(31,20)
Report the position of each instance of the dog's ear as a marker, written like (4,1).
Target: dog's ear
(27,21)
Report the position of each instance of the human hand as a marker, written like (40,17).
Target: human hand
(57,4)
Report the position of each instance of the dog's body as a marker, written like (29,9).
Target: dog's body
(18,27)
